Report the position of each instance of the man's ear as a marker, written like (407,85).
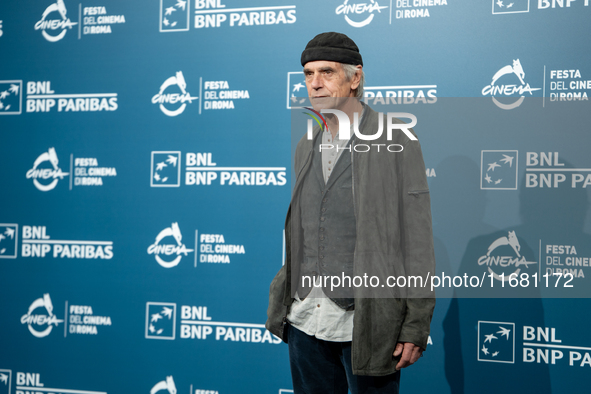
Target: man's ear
(357,77)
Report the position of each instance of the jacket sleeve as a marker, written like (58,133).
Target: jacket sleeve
(417,243)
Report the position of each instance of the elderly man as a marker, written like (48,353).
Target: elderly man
(353,212)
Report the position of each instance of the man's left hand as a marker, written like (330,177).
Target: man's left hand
(410,354)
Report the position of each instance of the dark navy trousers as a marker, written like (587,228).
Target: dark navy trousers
(322,367)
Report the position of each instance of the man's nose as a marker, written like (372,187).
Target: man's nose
(316,82)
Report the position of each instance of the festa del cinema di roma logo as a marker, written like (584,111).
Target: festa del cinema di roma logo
(508,90)
(359,11)
(41,174)
(49,27)
(167,101)
(35,322)
(164,386)
(492,258)
(163,249)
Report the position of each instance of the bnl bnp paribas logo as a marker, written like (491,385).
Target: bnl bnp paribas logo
(297,94)
(54,22)
(496,342)
(498,169)
(168,248)
(508,87)
(519,6)
(40,318)
(8,240)
(175,15)
(5,381)
(509,6)
(46,172)
(195,322)
(11,98)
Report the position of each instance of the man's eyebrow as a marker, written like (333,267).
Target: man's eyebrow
(321,69)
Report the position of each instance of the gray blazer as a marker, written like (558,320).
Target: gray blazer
(394,238)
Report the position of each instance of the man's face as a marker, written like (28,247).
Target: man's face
(325,79)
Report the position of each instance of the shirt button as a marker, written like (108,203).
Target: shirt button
(325,200)
(321,229)
(321,247)
(323,209)
(322,218)
(330,162)
(321,237)
(318,305)
(321,256)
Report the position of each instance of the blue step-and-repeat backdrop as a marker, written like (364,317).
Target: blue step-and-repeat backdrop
(145,164)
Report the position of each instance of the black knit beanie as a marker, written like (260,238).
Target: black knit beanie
(335,47)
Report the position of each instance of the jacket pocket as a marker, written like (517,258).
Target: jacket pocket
(416,193)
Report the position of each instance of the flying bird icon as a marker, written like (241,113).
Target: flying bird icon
(297,87)
(156,317)
(492,166)
(160,166)
(4,94)
(484,350)
(169,10)
(4,378)
(507,159)
(489,338)
(488,178)
(500,3)
(495,354)
(181,4)
(14,88)
(504,331)
(172,160)
(167,312)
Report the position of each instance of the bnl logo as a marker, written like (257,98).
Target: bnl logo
(496,342)
(8,240)
(160,320)
(11,97)
(498,169)
(297,94)
(174,15)
(509,6)
(166,169)
(5,381)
